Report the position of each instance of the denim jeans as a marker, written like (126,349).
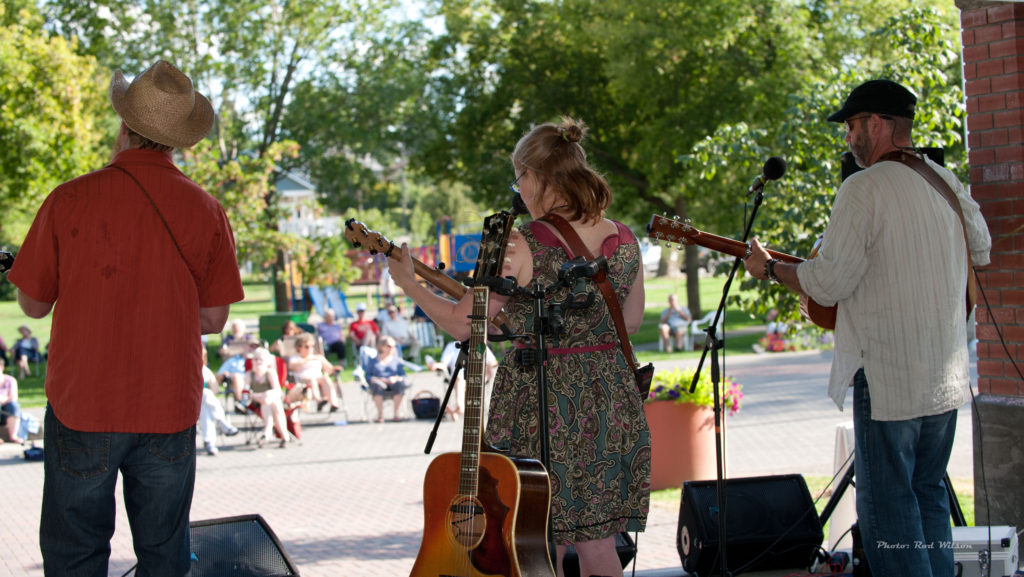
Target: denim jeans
(158,473)
(902,503)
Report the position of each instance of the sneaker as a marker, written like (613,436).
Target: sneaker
(240,408)
(210,449)
(228,430)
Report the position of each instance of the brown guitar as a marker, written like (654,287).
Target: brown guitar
(360,236)
(484,513)
(681,232)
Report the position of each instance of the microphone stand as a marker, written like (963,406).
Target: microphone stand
(713,344)
(460,364)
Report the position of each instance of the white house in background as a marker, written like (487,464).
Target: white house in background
(298,197)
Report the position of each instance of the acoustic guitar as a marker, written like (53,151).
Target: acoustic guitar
(677,231)
(485,513)
(362,237)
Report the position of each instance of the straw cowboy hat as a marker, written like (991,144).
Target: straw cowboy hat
(161,105)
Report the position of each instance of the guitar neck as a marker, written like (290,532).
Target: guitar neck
(681,232)
(447,284)
(357,233)
(476,359)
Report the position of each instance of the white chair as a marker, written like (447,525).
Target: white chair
(426,335)
(698,327)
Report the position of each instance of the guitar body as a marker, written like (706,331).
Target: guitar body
(499,532)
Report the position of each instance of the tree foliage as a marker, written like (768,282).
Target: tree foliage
(400,124)
(51,116)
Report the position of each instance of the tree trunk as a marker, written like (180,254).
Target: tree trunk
(691,266)
(282,284)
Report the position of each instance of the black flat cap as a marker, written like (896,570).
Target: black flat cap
(878,97)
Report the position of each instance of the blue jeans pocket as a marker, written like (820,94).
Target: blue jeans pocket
(175,447)
(83,455)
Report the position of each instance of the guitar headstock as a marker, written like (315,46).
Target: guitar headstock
(493,242)
(674,230)
(360,237)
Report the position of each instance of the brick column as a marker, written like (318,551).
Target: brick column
(993,55)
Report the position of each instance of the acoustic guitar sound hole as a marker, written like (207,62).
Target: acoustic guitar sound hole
(466,522)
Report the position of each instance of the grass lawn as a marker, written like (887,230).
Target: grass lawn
(258,301)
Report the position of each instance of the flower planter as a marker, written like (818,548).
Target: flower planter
(682,443)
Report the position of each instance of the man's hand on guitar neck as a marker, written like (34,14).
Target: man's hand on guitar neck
(759,264)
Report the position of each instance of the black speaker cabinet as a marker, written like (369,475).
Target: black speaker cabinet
(771,523)
(242,546)
(624,547)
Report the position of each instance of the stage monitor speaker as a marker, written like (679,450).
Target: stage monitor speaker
(242,546)
(771,523)
(624,547)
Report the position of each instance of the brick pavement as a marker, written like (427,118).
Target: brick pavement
(348,500)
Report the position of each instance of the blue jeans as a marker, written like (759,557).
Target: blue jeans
(77,520)
(902,503)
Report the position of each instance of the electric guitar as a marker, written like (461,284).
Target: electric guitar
(484,513)
(682,232)
(360,236)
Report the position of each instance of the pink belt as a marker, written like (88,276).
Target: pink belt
(570,350)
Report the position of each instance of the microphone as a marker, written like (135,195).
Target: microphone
(773,169)
(519,207)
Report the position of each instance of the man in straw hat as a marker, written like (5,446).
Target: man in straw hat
(895,259)
(135,260)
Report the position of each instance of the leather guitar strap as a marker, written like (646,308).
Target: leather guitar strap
(937,182)
(601,279)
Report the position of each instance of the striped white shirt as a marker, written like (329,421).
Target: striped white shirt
(893,257)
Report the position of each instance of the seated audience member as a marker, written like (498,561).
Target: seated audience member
(265,389)
(3,352)
(25,350)
(211,414)
(395,326)
(387,286)
(333,336)
(312,371)
(10,411)
(288,329)
(363,332)
(385,374)
(449,357)
(236,347)
(673,323)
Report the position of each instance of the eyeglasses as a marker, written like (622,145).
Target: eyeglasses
(514,185)
(849,121)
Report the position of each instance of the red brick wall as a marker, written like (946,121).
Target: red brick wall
(993,44)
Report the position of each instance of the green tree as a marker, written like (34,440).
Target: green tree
(51,110)
(247,55)
(651,78)
(917,47)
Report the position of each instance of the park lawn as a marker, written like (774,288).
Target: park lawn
(657,290)
(258,301)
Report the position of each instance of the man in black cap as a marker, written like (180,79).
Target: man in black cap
(895,261)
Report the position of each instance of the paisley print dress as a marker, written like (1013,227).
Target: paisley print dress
(599,443)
